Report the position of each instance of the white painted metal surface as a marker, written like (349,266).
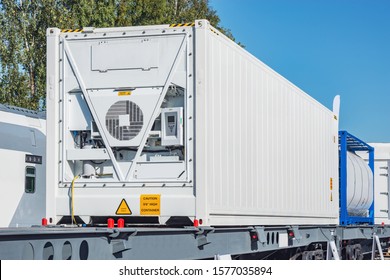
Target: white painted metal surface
(106,91)
(265,150)
(360,194)
(256,150)
(22,133)
(332,252)
(381,181)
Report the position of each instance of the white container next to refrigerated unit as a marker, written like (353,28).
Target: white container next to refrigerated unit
(381,181)
(256,150)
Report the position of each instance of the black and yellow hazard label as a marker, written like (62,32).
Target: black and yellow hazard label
(150,204)
(123,208)
(182,24)
(214,31)
(71,30)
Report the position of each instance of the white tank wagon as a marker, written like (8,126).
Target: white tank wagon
(360,190)
(23,166)
(160,124)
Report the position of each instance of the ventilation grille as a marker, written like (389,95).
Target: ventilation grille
(124,120)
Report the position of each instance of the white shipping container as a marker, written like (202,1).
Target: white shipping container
(381,181)
(185,117)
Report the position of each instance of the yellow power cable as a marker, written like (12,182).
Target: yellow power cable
(72,199)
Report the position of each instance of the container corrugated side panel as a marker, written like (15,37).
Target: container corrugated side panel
(265,150)
(381,181)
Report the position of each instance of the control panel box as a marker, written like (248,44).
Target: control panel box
(172,126)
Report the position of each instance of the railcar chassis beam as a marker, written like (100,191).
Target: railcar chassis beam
(177,243)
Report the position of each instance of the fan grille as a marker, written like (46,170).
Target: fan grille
(130,111)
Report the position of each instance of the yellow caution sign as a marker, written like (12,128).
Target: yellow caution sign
(124,93)
(123,208)
(150,204)
(331,188)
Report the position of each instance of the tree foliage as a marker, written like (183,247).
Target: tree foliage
(24,24)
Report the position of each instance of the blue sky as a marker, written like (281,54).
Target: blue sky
(325,47)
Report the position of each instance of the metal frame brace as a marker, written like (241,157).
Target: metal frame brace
(376,244)
(331,251)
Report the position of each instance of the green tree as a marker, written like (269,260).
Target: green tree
(24,24)
(23,49)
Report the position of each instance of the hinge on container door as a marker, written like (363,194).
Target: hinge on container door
(384,167)
(384,174)
(384,211)
(384,193)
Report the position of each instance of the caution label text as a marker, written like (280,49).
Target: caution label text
(150,204)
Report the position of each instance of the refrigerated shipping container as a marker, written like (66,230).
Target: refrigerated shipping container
(171,124)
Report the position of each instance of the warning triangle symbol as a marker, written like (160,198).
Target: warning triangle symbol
(123,208)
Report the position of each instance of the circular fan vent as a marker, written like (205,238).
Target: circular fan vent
(124,120)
